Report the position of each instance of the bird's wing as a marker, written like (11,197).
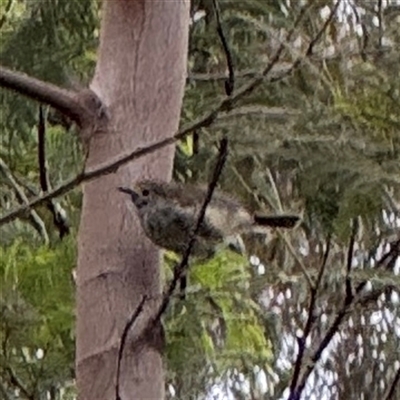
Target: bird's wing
(189,217)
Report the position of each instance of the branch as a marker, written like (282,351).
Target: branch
(317,355)
(66,101)
(310,321)
(43,174)
(227,103)
(323,29)
(391,391)
(334,328)
(350,253)
(310,49)
(58,217)
(34,216)
(386,261)
(365,34)
(283,236)
(112,166)
(44,92)
(230,81)
(124,335)
(181,268)
(82,177)
(14,380)
(7,9)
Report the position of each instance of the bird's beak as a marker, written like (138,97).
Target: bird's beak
(132,193)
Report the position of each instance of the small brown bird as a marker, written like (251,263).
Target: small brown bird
(168,213)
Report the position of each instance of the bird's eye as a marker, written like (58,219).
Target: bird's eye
(145,192)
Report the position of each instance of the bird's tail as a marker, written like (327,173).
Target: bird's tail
(276,221)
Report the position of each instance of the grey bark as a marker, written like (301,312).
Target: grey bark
(140,77)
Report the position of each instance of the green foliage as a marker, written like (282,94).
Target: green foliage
(36,305)
(218,327)
(55,36)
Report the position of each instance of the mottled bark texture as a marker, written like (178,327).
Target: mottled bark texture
(140,77)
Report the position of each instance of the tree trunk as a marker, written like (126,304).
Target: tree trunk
(140,77)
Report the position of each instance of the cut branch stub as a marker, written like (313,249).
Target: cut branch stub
(84,108)
(94,109)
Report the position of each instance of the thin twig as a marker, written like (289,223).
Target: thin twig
(349,290)
(37,222)
(282,235)
(58,218)
(318,36)
(294,254)
(230,81)
(365,34)
(43,174)
(181,268)
(310,49)
(380,19)
(6,12)
(108,168)
(317,355)
(309,323)
(124,336)
(14,380)
(395,384)
(386,261)
(275,189)
(334,328)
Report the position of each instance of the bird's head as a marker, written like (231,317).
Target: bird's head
(144,192)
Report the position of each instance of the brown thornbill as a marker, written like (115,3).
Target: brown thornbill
(168,213)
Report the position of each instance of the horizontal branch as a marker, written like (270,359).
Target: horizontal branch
(71,184)
(61,99)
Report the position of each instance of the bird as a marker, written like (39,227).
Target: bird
(168,213)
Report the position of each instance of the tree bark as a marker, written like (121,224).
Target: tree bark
(140,77)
